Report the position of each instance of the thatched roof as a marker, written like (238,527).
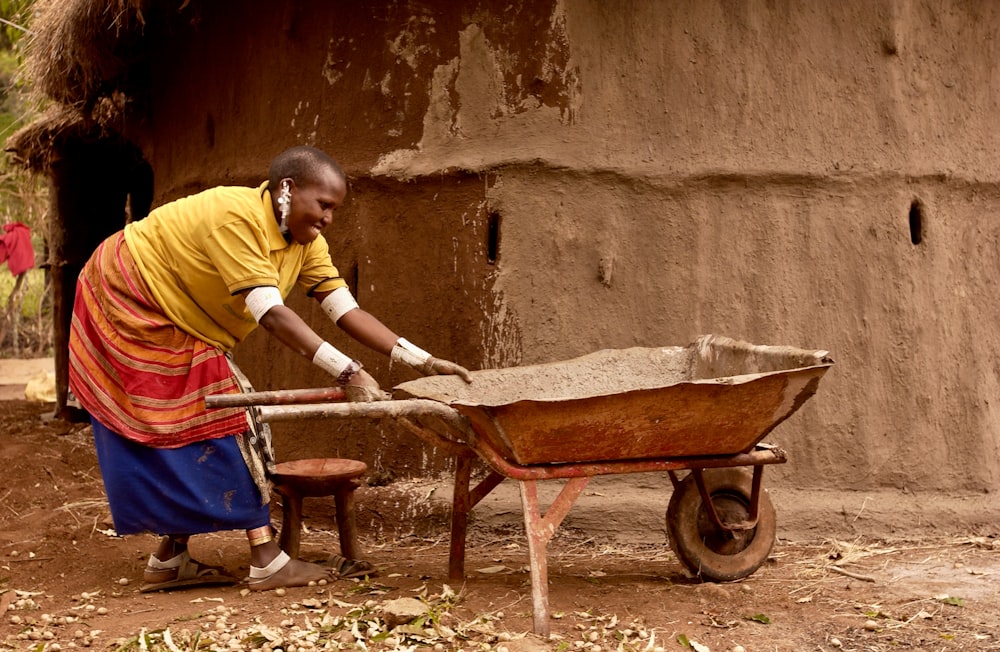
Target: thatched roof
(35,145)
(80,50)
(81,60)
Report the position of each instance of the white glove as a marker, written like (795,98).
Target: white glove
(415,357)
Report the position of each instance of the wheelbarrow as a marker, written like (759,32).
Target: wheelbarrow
(698,413)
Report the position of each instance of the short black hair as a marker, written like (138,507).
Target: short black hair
(302,164)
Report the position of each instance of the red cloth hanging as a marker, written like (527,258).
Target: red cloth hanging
(16,249)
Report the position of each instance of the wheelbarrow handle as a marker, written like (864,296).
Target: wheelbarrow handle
(277,397)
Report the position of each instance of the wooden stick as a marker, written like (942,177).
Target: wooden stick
(277,397)
(863,578)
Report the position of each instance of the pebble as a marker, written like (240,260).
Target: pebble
(123,581)
(280,591)
(835,642)
(871,625)
(738,648)
(712,592)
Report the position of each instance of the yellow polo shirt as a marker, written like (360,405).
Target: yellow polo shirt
(197,252)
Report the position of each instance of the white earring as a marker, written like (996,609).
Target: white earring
(284,206)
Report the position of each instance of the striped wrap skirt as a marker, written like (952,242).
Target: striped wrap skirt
(169,465)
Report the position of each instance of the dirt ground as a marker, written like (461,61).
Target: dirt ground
(66,581)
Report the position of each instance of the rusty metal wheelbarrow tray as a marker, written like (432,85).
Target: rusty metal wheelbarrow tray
(715,397)
(704,406)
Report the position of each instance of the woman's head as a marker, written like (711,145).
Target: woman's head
(315,186)
(302,164)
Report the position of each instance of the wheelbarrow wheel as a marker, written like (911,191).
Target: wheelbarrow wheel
(706,549)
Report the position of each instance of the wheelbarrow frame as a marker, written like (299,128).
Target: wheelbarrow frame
(443,427)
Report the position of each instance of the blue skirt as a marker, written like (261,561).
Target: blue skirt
(200,487)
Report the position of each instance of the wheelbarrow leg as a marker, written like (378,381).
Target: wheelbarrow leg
(460,506)
(540,529)
(463,500)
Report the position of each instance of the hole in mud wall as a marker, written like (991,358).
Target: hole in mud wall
(916,221)
(352,278)
(492,237)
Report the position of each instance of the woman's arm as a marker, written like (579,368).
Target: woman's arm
(370,331)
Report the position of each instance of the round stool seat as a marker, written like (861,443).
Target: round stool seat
(326,476)
(316,477)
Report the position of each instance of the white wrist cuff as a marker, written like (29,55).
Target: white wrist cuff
(330,359)
(409,353)
(261,299)
(338,303)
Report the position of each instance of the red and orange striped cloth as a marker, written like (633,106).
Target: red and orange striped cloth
(134,370)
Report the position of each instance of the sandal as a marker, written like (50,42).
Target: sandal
(187,572)
(347,568)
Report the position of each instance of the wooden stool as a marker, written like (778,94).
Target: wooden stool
(299,479)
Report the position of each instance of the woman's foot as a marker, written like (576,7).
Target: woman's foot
(284,571)
(181,571)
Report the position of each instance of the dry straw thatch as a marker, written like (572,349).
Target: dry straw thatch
(35,145)
(79,60)
(81,50)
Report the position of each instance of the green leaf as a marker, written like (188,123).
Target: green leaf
(955,602)
(683,640)
(759,618)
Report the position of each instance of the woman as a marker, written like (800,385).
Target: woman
(157,308)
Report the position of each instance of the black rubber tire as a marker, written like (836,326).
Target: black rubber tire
(705,549)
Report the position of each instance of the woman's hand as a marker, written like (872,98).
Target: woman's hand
(437,366)
(362,388)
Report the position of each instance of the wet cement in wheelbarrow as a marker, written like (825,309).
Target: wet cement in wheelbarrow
(711,358)
(599,374)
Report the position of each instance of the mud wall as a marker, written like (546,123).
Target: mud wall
(782,172)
